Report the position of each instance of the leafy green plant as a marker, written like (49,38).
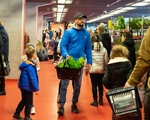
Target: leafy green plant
(135,24)
(119,23)
(146,23)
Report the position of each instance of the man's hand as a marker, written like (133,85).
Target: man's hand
(37,92)
(127,85)
(88,67)
(67,57)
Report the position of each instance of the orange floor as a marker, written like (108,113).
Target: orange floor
(46,102)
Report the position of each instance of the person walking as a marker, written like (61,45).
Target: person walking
(128,42)
(28,83)
(141,67)
(100,59)
(75,43)
(4,50)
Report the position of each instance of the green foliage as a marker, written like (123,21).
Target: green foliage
(72,63)
(119,23)
(135,23)
(146,23)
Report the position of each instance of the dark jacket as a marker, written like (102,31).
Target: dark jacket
(5,48)
(106,40)
(117,73)
(28,78)
(129,43)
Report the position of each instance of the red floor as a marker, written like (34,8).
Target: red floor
(46,102)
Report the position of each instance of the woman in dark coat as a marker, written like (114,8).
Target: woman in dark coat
(128,42)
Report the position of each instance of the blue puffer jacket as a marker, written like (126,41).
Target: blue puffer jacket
(28,78)
(76,43)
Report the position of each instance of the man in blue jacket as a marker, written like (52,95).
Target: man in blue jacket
(75,43)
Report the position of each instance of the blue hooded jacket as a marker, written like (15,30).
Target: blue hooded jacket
(28,78)
(76,43)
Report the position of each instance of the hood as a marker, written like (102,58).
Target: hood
(24,65)
(117,59)
(129,42)
(96,46)
(105,35)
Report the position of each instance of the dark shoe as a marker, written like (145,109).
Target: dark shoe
(27,118)
(74,109)
(94,104)
(17,117)
(3,92)
(101,101)
(61,111)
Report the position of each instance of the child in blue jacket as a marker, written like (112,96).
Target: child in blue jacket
(28,83)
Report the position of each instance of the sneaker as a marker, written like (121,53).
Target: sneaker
(61,111)
(27,118)
(17,117)
(95,104)
(54,63)
(3,92)
(74,109)
(33,111)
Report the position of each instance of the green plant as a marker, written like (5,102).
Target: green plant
(146,23)
(119,23)
(135,24)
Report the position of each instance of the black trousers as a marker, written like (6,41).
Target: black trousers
(2,84)
(27,102)
(55,54)
(96,80)
(147,105)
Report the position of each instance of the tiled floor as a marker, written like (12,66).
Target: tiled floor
(46,102)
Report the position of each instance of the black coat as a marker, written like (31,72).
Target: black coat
(5,49)
(106,40)
(116,74)
(129,43)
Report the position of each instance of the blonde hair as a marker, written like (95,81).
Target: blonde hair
(39,45)
(119,51)
(30,51)
(100,28)
(1,22)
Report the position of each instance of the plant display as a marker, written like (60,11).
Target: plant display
(119,23)
(146,23)
(72,63)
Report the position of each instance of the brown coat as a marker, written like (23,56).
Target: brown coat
(142,62)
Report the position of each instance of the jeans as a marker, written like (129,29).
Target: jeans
(76,88)
(27,102)
(146,105)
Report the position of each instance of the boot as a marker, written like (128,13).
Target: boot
(101,100)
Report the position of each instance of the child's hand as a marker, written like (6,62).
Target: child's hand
(37,92)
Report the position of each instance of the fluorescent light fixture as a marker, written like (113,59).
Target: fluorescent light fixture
(61,1)
(54,9)
(113,3)
(60,6)
(60,9)
(65,1)
(146,0)
(65,10)
(128,8)
(141,4)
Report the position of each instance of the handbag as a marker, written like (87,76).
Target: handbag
(4,67)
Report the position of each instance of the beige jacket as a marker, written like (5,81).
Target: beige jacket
(142,62)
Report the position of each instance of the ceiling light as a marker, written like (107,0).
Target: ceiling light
(141,4)
(108,5)
(60,6)
(60,9)
(128,8)
(65,1)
